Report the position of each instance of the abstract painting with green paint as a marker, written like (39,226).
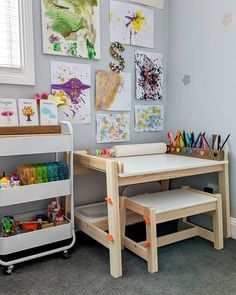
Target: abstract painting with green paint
(71,28)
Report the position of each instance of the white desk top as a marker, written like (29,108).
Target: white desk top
(140,165)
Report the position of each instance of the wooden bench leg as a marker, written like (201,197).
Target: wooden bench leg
(218,224)
(151,232)
(122,219)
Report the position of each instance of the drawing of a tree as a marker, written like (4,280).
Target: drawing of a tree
(28,112)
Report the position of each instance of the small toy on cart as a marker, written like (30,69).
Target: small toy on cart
(5,182)
(55,213)
(10,181)
(7,226)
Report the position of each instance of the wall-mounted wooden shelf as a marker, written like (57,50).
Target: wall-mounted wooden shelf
(23,130)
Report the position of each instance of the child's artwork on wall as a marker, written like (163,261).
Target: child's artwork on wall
(113,91)
(115,50)
(113,127)
(149,75)
(48,112)
(71,28)
(148,118)
(28,112)
(71,83)
(8,112)
(131,24)
(154,3)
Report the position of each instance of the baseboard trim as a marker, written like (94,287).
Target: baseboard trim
(233,227)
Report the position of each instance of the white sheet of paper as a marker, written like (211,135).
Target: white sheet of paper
(131,24)
(60,38)
(154,3)
(28,112)
(113,91)
(113,127)
(149,118)
(72,81)
(8,112)
(149,75)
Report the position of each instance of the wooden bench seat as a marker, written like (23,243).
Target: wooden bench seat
(166,206)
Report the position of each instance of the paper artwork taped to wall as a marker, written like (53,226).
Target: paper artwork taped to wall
(113,127)
(71,28)
(148,118)
(149,75)
(48,112)
(154,3)
(131,24)
(28,112)
(8,112)
(113,91)
(71,84)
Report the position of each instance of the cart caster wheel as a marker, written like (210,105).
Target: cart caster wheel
(65,254)
(9,270)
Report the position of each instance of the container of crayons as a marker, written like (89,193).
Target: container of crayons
(217,155)
(186,144)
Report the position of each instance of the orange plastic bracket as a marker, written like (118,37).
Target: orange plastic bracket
(146,219)
(147,245)
(110,237)
(108,200)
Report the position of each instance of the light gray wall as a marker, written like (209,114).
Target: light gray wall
(89,189)
(201,46)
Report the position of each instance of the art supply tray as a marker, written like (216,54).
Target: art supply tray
(217,155)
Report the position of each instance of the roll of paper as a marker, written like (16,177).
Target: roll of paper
(139,149)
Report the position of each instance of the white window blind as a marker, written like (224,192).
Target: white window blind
(16,42)
(10,49)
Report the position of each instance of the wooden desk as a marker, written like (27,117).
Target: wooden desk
(140,169)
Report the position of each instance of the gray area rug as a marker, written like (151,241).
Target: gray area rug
(188,267)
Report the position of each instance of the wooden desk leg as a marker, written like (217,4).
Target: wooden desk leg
(217,225)
(114,219)
(223,178)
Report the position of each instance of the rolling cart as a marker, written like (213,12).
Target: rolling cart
(32,144)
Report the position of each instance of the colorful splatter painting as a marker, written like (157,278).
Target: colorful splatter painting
(148,118)
(113,127)
(71,84)
(113,91)
(131,24)
(71,28)
(149,75)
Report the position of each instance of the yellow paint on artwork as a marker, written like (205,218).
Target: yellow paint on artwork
(107,86)
(138,21)
(60,97)
(111,14)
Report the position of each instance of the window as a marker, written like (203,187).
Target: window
(16,42)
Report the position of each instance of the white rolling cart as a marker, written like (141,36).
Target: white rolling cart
(28,145)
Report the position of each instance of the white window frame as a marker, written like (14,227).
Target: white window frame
(26,74)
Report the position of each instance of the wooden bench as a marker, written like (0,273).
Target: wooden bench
(161,207)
